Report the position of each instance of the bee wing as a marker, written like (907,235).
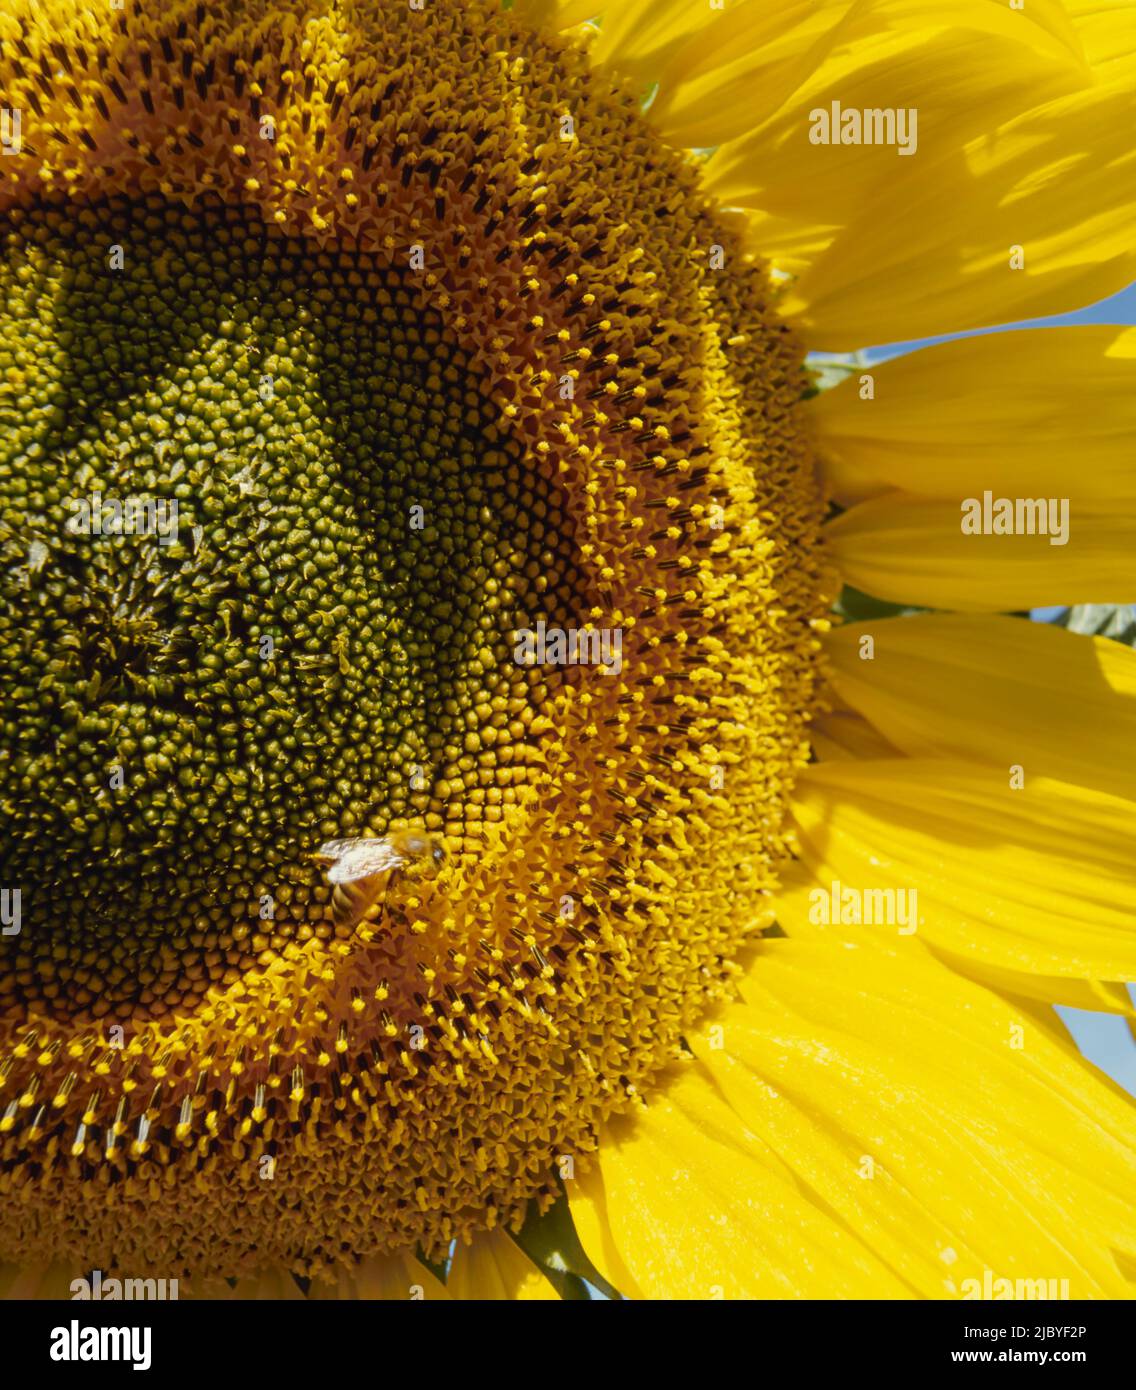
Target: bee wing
(360,859)
(335,849)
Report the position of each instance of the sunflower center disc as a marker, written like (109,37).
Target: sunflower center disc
(456,271)
(274,550)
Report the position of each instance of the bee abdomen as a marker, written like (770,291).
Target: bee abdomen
(351,901)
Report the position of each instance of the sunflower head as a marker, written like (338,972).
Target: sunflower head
(427,344)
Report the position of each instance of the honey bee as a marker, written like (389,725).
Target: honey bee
(361,870)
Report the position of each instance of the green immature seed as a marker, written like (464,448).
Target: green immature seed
(143,653)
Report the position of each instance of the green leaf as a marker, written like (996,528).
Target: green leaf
(439,1271)
(857,607)
(552,1244)
(1115,620)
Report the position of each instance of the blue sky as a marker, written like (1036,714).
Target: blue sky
(1118,308)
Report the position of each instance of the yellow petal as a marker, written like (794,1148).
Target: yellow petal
(939,1122)
(911,549)
(1004,411)
(936,248)
(1105,31)
(695,1206)
(964,69)
(270,1286)
(495,1268)
(638,36)
(795,907)
(786,242)
(731,74)
(391,1278)
(394,1278)
(1033,880)
(844,734)
(996,689)
(41,1282)
(588,1206)
(560,14)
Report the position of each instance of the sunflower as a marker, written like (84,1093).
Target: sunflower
(350,346)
